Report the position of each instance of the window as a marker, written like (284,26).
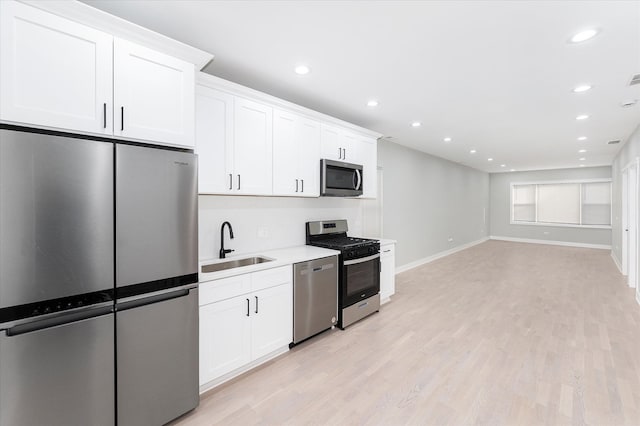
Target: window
(576,203)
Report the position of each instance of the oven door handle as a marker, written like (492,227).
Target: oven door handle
(361,260)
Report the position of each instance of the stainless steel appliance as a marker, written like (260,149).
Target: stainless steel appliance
(315,297)
(98,243)
(359,269)
(338,179)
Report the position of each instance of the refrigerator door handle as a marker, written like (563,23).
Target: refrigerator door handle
(152,299)
(57,321)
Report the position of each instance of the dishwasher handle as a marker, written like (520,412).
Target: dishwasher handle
(31,327)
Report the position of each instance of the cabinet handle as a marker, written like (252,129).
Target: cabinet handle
(296,185)
(380,267)
(302,184)
(344,153)
(104,114)
(247,307)
(121,119)
(340,153)
(256,304)
(230,181)
(386,251)
(238,182)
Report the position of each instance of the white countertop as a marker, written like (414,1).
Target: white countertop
(384,241)
(281,257)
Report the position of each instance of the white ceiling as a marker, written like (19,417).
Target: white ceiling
(495,76)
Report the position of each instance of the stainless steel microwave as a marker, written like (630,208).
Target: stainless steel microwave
(338,179)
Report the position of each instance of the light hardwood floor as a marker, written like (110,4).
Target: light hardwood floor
(501,333)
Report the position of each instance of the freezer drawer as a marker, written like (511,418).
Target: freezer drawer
(315,297)
(157,346)
(62,375)
(156,217)
(56,217)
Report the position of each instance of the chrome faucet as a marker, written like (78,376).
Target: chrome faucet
(224,252)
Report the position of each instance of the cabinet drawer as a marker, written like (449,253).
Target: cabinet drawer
(225,288)
(387,250)
(271,277)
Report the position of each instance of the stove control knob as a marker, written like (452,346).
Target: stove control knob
(351,254)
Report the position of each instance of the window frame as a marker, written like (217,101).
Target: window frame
(563,225)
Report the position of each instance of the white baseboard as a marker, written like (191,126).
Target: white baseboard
(617,262)
(436,256)
(245,368)
(638,297)
(551,242)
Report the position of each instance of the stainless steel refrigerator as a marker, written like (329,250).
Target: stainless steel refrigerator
(98,281)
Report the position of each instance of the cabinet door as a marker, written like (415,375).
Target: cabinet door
(387,271)
(214,140)
(272,323)
(252,149)
(225,337)
(350,147)
(153,95)
(286,180)
(331,148)
(54,72)
(369,156)
(296,155)
(308,137)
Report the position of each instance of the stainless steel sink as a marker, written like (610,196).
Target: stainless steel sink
(235,263)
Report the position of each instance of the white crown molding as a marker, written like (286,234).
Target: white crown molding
(118,27)
(218,83)
(552,243)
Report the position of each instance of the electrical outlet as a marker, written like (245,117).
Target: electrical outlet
(450,239)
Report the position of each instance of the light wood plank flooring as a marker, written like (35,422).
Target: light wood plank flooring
(501,333)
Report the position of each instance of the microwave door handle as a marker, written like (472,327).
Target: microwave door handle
(359,184)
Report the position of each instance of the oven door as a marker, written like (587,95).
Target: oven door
(360,279)
(340,179)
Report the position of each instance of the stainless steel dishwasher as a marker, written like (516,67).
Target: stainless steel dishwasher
(315,297)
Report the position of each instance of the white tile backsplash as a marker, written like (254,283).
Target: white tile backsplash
(266,223)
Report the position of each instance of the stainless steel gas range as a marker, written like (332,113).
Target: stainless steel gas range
(359,269)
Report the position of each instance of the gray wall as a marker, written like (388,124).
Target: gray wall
(629,152)
(428,200)
(501,207)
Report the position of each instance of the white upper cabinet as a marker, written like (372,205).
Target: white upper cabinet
(368,151)
(153,95)
(252,147)
(296,155)
(214,140)
(54,72)
(234,139)
(340,145)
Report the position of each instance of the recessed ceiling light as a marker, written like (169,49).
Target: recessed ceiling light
(582,88)
(447,139)
(302,69)
(582,150)
(416,124)
(512,170)
(582,138)
(503,165)
(584,35)
(473,151)
(582,158)
(489,159)
(582,117)
(372,103)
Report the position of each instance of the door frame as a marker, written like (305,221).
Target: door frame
(630,214)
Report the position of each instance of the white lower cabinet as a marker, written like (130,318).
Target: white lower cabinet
(243,319)
(387,271)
